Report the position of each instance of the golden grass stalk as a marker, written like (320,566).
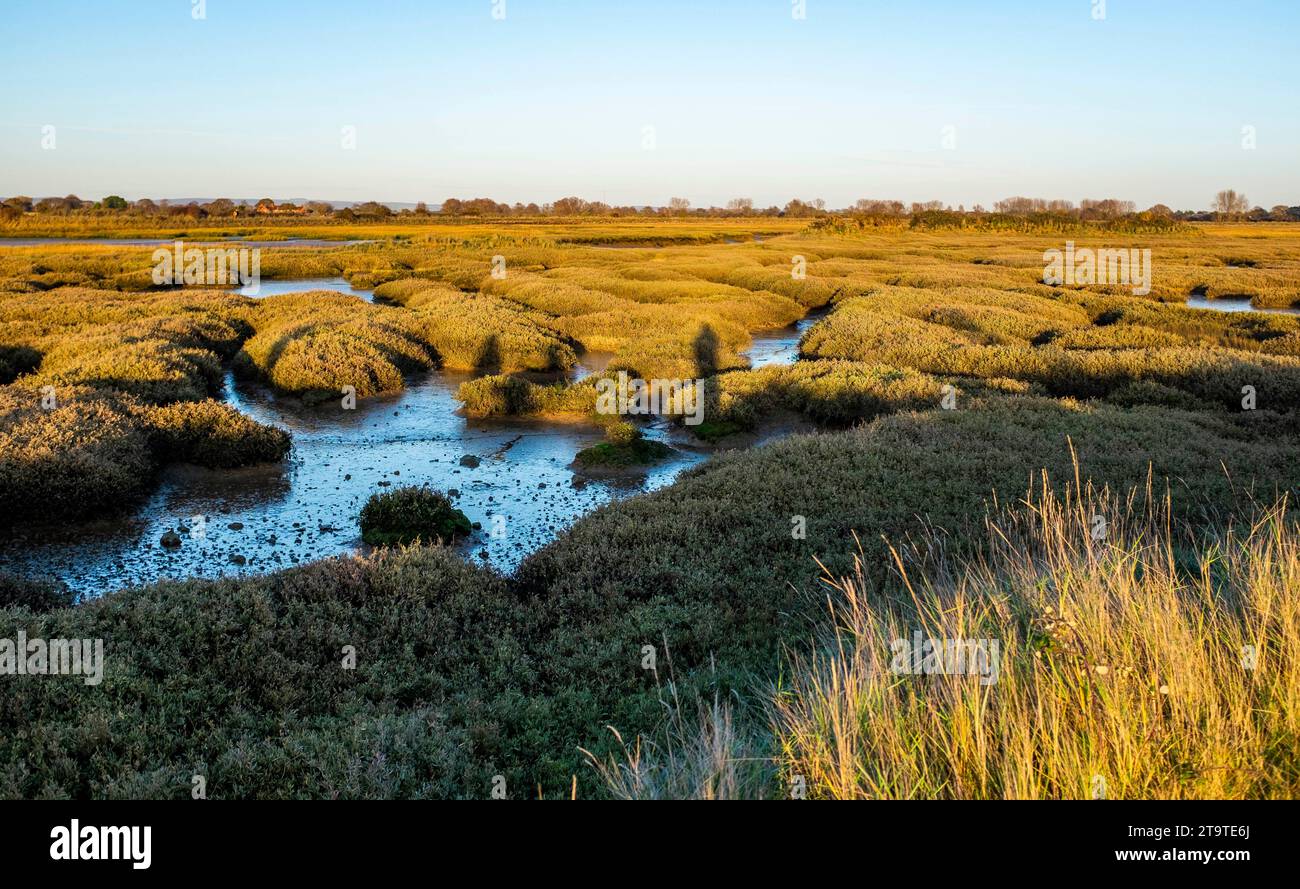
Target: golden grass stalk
(1137,660)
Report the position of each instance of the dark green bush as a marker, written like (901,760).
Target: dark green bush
(410,515)
(624,446)
(34,595)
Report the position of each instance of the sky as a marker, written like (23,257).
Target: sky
(637,101)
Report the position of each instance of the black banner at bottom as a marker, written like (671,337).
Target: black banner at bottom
(218,838)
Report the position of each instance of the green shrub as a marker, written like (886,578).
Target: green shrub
(411,515)
(34,595)
(624,446)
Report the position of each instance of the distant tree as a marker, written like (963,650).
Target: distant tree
(873,207)
(319,208)
(1279,213)
(483,207)
(373,209)
(1228,204)
(571,206)
(264,206)
(220,207)
(740,205)
(679,206)
(114,202)
(1109,208)
(799,209)
(1160,210)
(21,203)
(421,209)
(1018,206)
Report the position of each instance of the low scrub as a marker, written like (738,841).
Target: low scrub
(503,395)
(625,445)
(315,344)
(836,393)
(86,455)
(462,674)
(411,515)
(213,434)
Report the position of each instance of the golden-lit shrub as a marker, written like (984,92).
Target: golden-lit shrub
(83,456)
(210,433)
(316,343)
(833,392)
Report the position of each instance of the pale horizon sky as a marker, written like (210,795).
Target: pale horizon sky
(964,102)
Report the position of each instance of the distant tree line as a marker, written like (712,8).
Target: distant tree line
(1227,205)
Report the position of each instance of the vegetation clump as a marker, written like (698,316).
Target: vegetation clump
(212,434)
(33,594)
(82,455)
(624,445)
(411,515)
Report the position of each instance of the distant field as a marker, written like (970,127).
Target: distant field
(550,228)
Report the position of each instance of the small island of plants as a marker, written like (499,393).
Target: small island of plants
(411,515)
(624,445)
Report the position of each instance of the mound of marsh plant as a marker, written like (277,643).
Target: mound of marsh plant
(411,515)
(315,344)
(79,456)
(837,393)
(503,395)
(475,331)
(624,445)
(210,433)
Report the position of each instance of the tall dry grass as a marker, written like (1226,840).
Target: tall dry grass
(1149,661)
(1145,662)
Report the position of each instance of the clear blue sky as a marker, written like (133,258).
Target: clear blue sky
(1147,104)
